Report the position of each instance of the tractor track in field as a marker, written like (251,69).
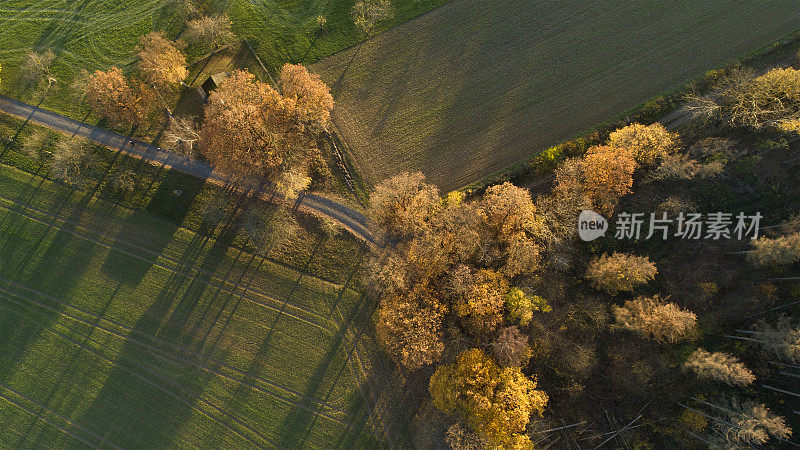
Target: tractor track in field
(348,218)
(97,325)
(164,389)
(39,415)
(186,273)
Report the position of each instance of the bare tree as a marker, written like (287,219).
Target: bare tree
(368,13)
(510,347)
(67,159)
(181,135)
(37,65)
(210,31)
(35,144)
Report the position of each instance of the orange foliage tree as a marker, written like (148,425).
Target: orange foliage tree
(312,97)
(603,175)
(248,131)
(122,103)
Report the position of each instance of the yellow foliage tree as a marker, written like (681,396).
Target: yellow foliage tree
(647,144)
(160,60)
(494,402)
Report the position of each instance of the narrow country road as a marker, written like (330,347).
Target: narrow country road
(350,219)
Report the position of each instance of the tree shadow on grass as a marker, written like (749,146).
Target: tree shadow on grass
(63,262)
(171,202)
(157,402)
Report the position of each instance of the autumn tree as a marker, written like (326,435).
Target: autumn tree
(210,31)
(369,13)
(112,95)
(620,272)
(647,144)
(776,252)
(495,402)
(602,176)
(511,228)
(480,305)
(410,327)
(248,132)
(292,182)
(312,97)
(720,367)
(403,204)
(521,306)
(655,318)
(510,347)
(161,61)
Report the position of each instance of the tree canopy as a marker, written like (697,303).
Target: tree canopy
(495,402)
(160,60)
(122,102)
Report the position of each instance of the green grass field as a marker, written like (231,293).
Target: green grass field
(96,34)
(119,329)
(475,86)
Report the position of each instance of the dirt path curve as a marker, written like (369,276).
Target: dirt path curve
(350,219)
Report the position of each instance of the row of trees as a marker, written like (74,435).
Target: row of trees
(250,130)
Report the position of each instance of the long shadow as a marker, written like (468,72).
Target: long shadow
(55,274)
(173,398)
(171,201)
(66,373)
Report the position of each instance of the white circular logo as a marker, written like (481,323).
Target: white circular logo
(591,225)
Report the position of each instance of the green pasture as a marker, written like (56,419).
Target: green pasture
(121,329)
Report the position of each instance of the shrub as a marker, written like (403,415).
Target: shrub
(620,272)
